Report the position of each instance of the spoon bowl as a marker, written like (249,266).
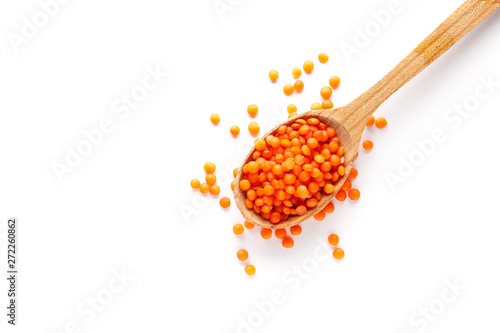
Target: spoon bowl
(348,138)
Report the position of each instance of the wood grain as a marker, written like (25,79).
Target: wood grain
(350,120)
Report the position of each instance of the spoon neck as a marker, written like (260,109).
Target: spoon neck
(366,104)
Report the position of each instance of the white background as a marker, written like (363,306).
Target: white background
(121,207)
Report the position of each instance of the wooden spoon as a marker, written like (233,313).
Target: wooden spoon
(350,120)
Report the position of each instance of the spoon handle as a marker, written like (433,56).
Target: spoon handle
(463,20)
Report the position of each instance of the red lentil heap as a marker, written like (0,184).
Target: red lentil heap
(292,169)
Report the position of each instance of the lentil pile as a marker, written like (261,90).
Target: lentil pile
(291,170)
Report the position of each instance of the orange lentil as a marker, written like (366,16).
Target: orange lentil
(211,179)
(298,86)
(209,167)
(273,75)
(354,194)
(308,66)
(353,174)
(326,92)
(333,146)
(319,158)
(249,225)
(329,208)
(334,82)
(313,121)
(287,242)
(320,216)
(333,239)
(280,233)
(316,106)
(367,145)
(335,160)
(214,190)
(268,190)
(304,129)
(340,151)
(323,57)
(312,143)
(251,195)
(291,109)
(232,185)
(260,145)
(275,217)
(277,169)
(301,210)
(296,230)
(370,121)
(329,188)
(311,203)
(253,167)
(225,202)
(250,269)
(242,254)
(338,253)
(238,229)
(381,122)
(346,186)
(254,128)
(340,196)
(204,188)
(335,176)
(195,184)
(288,89)
(327,104)
(289,179)
(331,133)
(302,191)
(316,173)
(214,118)
(244,185)
(290,163)
(235,172)
(266,233)
(252,110)
(296,72)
